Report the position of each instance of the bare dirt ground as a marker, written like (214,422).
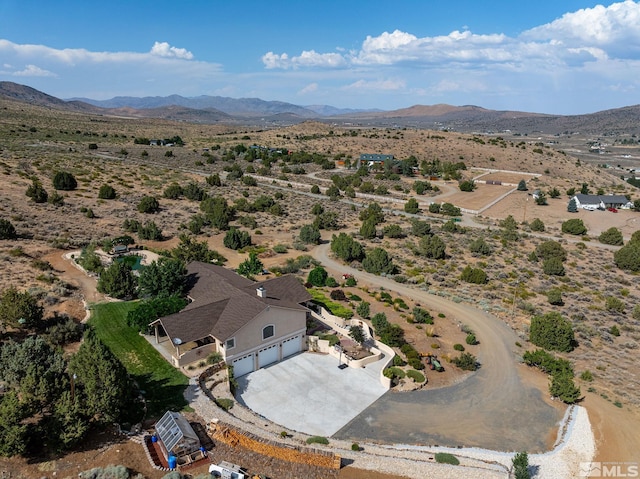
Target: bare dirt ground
(481,196)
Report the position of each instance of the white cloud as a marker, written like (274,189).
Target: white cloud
(310,59)
(163,49)
(615,27)
(310,88)
(33,71)
(587,35)
(376,85)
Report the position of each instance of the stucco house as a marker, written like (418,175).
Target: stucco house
(251,324)
(600,201)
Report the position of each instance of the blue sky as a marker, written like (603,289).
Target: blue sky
(564,57)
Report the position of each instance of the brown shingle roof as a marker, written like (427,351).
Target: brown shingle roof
(224,301)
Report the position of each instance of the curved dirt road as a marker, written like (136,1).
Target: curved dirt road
(493,408)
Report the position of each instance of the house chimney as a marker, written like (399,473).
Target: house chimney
(262,293)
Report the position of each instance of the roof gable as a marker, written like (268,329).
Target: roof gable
(223,302)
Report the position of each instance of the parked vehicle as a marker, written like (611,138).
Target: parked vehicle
(226,470)
(612,209)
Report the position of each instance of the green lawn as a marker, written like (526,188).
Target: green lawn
(162,383)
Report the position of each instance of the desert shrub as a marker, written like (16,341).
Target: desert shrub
(379,321)
(471,339)
(393,231)
(107,192)
(118,281)
(64,331)
(317,440)
(363,309)
(420,228)
(346,248)
(480,246)
(173,192)
(148,204)
(417,376)
(150,231)
(467,185)
(378,261)
(415,363)
(224,403)
(109,472)
(36,192)
(466,362)
(55,199)
(338,295)
(473,275)
(421,315)
(391,335)
(446,458)
(398,361)
(628,257)
(553,266)
(214,180)
(614,331)
(355,446)
(236,239)
(350,281)
(552,331)
(394,372)
(537,225)
(65,181)
(449,210)
(611,236)
(310,234)
(574,226)
(412,206)
(7,230)
(280,249)
(452,227)
(318,276)
(554,296)
(551,249)
(586,376)
(458,347)
(563,387)
(522,185)
(614,304)
(432,246)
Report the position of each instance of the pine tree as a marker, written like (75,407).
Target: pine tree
(572,207)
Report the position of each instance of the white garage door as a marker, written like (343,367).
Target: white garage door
(268,356)
(242,366)
(291,346)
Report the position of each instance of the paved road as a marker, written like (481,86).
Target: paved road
(493,408)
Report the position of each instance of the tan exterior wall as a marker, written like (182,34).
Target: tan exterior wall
(287,323)
(193,355)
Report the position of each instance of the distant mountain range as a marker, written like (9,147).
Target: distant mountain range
(254,111)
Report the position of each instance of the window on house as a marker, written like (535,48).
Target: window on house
(231,343)
(268,331)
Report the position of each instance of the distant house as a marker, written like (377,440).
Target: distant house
(251,324)
(591,202)
(374,157)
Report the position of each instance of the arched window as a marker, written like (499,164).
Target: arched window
(268,331)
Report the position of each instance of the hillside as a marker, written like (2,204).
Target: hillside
(38,141)
(466,118)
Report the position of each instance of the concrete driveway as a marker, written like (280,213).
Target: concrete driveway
(310,393)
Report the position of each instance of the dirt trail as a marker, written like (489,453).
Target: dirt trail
(490,409)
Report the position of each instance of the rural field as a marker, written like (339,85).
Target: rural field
(283,179)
